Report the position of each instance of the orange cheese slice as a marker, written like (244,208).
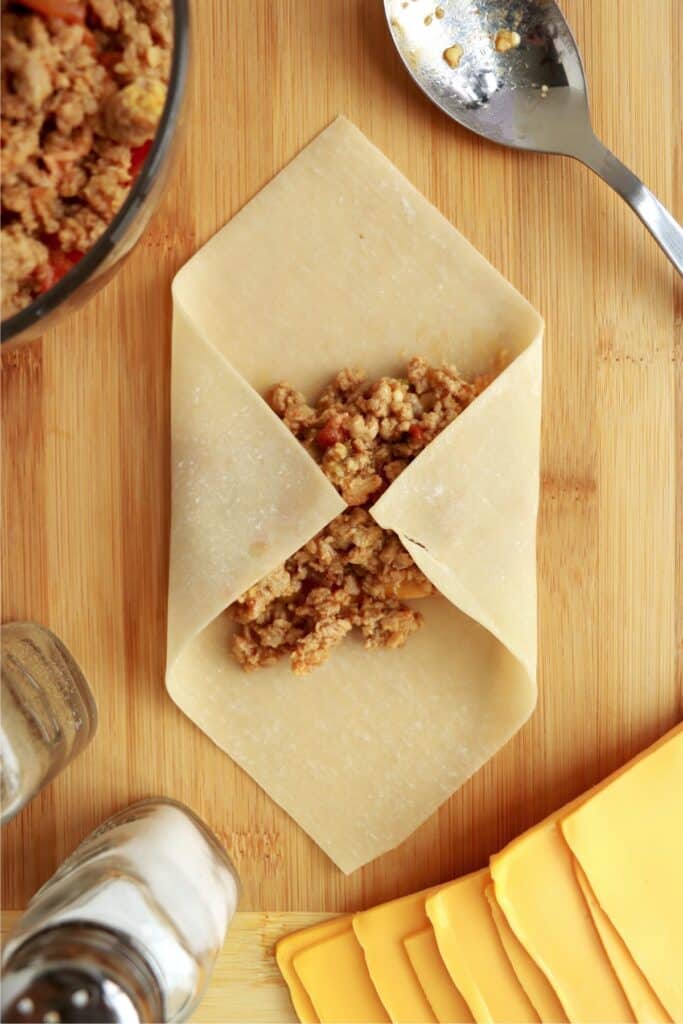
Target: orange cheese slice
(537,890)
(473,953)
(628,838)
(531,977)
(288,947)
(335,977)
(444,998)
(381,932)
(646,1006)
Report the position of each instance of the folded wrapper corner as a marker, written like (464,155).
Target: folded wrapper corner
(340,262)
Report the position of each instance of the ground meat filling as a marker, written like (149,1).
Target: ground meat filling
(83,87)
(353,574)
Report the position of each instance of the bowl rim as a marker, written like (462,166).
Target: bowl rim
(119,225)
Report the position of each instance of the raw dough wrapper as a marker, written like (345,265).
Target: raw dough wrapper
(340,262)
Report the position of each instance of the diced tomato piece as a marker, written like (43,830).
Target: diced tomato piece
(69,10)
(416,432)
(44,276)
(109,58)
(331,433)
(60,263)
(138,155)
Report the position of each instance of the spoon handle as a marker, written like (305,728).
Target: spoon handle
(656,218)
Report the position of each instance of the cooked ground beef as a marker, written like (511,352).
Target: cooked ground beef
(83,87)
(353,574)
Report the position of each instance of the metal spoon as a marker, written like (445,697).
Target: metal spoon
(510,70)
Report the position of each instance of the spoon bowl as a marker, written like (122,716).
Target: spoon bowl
(511,71)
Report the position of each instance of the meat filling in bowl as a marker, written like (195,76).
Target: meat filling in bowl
(353,574)
(83,88)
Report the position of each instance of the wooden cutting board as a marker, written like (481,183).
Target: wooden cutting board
(85,441)
(246,986)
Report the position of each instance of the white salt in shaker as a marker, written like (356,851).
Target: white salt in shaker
(129,927)
(48,712)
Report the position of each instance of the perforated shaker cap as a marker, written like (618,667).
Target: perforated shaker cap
(78,974)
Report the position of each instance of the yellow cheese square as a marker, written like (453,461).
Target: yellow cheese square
(537,890)
(381,932)
(336,979)
(628,838)
(646,1006)
(289,946)
(531,977)
(473,953)
(444,998)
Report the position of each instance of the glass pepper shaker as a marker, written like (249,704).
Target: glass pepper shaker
(48,712)
(128,928)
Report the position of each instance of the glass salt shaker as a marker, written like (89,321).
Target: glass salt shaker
(129,927)
(48,712)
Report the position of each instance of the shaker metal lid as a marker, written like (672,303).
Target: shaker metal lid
(79,974)
(68,994)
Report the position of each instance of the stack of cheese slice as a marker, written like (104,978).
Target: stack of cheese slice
(580,919)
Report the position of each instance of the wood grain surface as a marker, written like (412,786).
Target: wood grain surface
(85,440)
(246,985)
